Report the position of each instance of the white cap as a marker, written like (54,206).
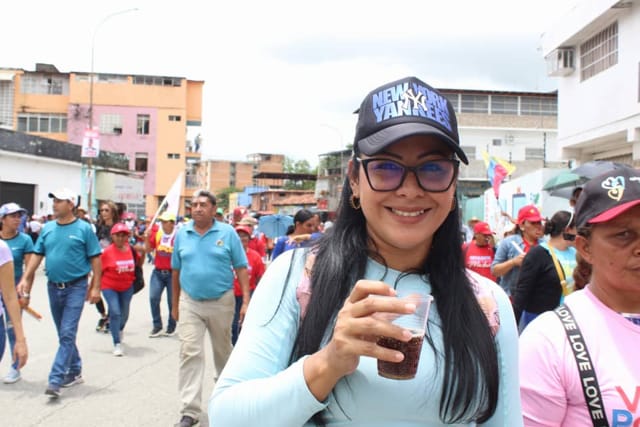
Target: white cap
(64,194)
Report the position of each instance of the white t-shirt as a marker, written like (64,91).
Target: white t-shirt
(549,381)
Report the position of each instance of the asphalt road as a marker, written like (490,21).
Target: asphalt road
(139,389)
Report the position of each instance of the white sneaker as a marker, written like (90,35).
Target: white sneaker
(117,350)
(12,376)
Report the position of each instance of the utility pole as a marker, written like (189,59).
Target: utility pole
(91,83)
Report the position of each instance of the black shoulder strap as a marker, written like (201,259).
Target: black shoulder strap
(588,378)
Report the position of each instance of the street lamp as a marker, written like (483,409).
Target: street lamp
(91,81)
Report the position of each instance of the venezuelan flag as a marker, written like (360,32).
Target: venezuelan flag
(497,170)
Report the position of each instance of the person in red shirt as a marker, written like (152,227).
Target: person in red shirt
(118,273)
(479,253)
(258,241)
(255,268)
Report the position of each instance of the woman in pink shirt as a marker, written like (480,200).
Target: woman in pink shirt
(590,346)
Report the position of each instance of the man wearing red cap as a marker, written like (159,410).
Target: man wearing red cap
(512,249)
(479,253)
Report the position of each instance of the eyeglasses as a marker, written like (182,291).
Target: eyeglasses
(435,176)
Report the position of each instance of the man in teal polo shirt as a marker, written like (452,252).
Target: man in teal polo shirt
(205,255)
(71,250)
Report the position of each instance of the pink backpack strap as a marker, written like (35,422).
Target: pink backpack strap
(488,304)
(303,291)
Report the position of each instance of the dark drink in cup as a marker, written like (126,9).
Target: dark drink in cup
(406,369)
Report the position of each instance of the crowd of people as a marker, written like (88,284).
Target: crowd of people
(539,327)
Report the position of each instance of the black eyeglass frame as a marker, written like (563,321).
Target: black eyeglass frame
(407,169)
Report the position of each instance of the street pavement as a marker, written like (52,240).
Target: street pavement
(139,389)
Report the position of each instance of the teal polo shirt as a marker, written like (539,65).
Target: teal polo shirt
(68,249)
(20,245)
(206,262)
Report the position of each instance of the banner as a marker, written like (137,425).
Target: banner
(91,143)
(497,170)
(171,202)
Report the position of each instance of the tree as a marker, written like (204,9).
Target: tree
(222,198)
(298,166)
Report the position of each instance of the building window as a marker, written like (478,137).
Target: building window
(173,118)
(48,123)
(173,155)
(534,153)
(142,162)
(475,104)
(42,84)
(496,142)
(538,106)
(504,104)
(599,52)
(469,150)
(143,124)
(157,81)
(454,100)
(111,124)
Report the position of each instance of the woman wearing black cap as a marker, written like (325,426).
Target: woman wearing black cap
(579,365)
(309,346)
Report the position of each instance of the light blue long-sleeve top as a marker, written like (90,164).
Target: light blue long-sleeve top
(259,387)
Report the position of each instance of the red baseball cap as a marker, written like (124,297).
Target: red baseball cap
(119,228)
(529,213)
(482,228)
(244,229)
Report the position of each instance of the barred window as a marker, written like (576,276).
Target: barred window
(599,52)
(504,104)
(44,84)
(111,124)
(42,122)
(454,100)
(174,118)
(534,154)
(157,81)
(475,104)
(538,106)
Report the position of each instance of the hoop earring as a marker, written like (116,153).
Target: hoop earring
(354,202)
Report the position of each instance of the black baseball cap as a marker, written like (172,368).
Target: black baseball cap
(404,108)
(608,195)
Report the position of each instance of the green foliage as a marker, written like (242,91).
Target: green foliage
(298,166)
(222,198)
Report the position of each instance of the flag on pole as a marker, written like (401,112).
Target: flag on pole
(497,170)
(171,202)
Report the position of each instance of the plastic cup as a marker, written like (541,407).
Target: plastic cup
(416,323)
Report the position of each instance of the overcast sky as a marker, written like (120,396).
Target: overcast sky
(285,76)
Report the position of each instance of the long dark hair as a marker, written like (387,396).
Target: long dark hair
(470,389)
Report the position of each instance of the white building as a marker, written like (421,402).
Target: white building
(594,51)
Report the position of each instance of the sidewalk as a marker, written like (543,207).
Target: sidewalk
(139,389)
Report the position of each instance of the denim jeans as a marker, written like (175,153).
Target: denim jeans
(118,302)
(2,335)
(7,328)
(160,279)
(66,306)
(235,326)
